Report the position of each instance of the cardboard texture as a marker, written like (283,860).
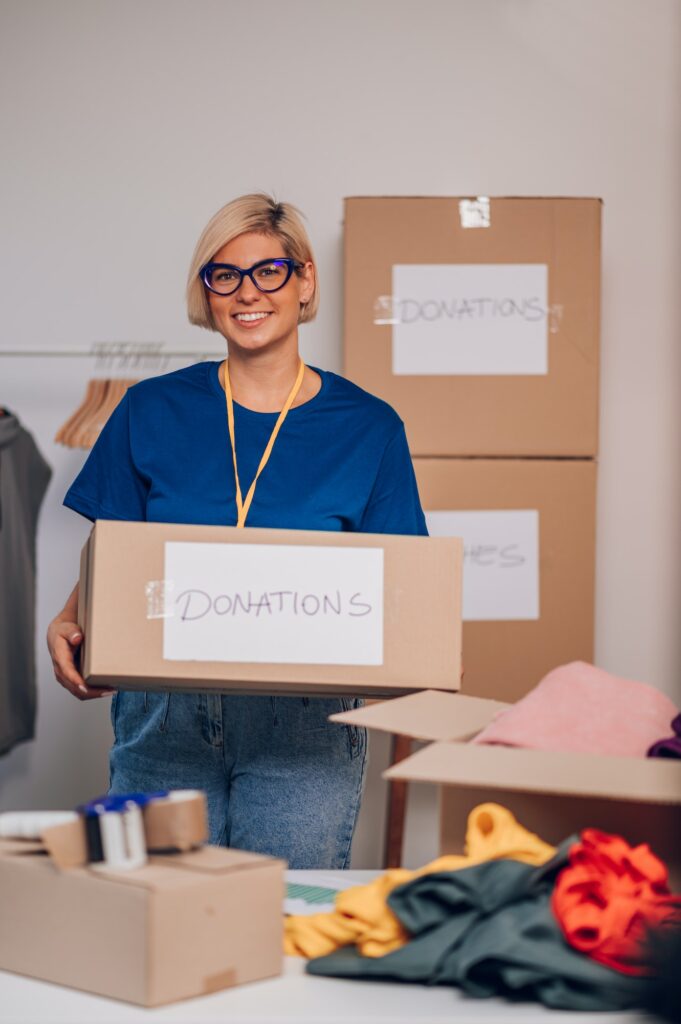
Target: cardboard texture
(427,716)
(541,414)
(503,660)
(553,794)
(182,926)
(421,615)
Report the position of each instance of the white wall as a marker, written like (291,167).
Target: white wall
(124,126)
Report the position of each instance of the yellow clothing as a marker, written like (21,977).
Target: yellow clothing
(362,915)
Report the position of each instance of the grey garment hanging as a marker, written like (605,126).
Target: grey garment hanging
(24,476)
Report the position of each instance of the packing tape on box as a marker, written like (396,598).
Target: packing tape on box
(395,311)
(159,597)
(475,213)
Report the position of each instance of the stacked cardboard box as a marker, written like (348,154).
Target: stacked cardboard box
(478,320)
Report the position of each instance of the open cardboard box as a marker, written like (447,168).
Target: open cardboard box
(183,925)
(179,607)
(553,794)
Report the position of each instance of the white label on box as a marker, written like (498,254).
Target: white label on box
(470,319)
(500,561)
(274,603)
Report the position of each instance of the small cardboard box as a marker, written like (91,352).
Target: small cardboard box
(182,926)
(529,533)
(551,793)
(478,320)
(169,607)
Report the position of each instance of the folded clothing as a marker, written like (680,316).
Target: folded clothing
(489,930)
(670,746)
(362,915)
(609,897)
(582,709)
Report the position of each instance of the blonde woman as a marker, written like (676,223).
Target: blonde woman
(188,447)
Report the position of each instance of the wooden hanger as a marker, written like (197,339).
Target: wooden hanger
(84,426)
(66,429)
(112,396)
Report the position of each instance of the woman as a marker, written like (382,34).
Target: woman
(187,447)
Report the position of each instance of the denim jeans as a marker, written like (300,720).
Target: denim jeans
(280,779)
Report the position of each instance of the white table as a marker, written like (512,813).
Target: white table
(293,998)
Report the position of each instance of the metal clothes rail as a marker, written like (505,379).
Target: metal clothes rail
(112,354)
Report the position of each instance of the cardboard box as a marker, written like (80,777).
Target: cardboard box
(552,794)
(478,320)
(269,611)
(528,527)
(182,926)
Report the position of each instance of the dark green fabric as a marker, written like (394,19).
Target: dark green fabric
(489,929)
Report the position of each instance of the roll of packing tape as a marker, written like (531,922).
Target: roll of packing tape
(179,822)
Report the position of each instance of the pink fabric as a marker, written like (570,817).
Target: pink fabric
(584,710)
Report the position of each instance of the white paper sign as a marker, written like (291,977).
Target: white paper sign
(476,319)
(501,561)
(274,603)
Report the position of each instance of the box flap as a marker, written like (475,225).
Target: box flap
(176,870)
(429,715)
(214,860)
(648,780)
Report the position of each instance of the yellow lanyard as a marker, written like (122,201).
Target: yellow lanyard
(242,507)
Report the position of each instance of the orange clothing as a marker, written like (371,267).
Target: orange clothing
(362,915)
(609,897)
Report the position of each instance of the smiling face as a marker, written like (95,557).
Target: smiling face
(255,320)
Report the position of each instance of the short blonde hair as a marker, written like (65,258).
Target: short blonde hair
(257,212)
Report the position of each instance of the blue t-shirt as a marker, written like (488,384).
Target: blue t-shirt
(340,461)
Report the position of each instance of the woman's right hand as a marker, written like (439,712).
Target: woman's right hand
(64,637)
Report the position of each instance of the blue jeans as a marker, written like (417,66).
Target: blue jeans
(280,779)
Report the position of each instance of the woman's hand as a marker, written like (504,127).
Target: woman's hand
(64,637)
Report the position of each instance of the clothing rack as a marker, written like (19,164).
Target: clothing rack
(117,357)
(115,366)
(118,354)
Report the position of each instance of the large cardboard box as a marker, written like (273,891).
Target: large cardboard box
(183,925)
(168,607)
(528,527)
(553,794)
(478,320)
